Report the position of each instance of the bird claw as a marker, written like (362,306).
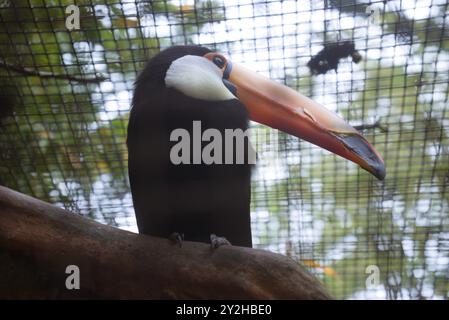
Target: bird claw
(177,238)
(216,241)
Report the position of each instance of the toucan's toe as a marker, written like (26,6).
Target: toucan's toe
(177,238)
(216,241)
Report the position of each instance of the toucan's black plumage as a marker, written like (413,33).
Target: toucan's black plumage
(196,200)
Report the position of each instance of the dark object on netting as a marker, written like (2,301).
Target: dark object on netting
(329,57)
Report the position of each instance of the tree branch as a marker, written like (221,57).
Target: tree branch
(43,74)
(38,241)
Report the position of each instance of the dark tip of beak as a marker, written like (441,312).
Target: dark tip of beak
(358,145)
(379,171)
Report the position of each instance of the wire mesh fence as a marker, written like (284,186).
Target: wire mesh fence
(383,65)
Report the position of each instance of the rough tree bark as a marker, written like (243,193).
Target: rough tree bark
(38,241)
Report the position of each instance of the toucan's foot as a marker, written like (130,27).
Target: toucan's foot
(216,241)
(177,238)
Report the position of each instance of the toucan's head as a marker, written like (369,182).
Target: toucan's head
(202,74)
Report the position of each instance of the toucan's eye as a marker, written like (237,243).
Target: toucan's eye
(218,61)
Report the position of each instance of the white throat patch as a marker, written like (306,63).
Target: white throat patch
(197,77)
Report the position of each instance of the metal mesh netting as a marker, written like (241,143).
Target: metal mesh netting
(65,98)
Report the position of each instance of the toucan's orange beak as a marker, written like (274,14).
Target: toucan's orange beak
(283,108)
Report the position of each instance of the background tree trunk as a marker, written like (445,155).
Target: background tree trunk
(38,241)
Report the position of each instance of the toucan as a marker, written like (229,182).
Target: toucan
(210,202)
